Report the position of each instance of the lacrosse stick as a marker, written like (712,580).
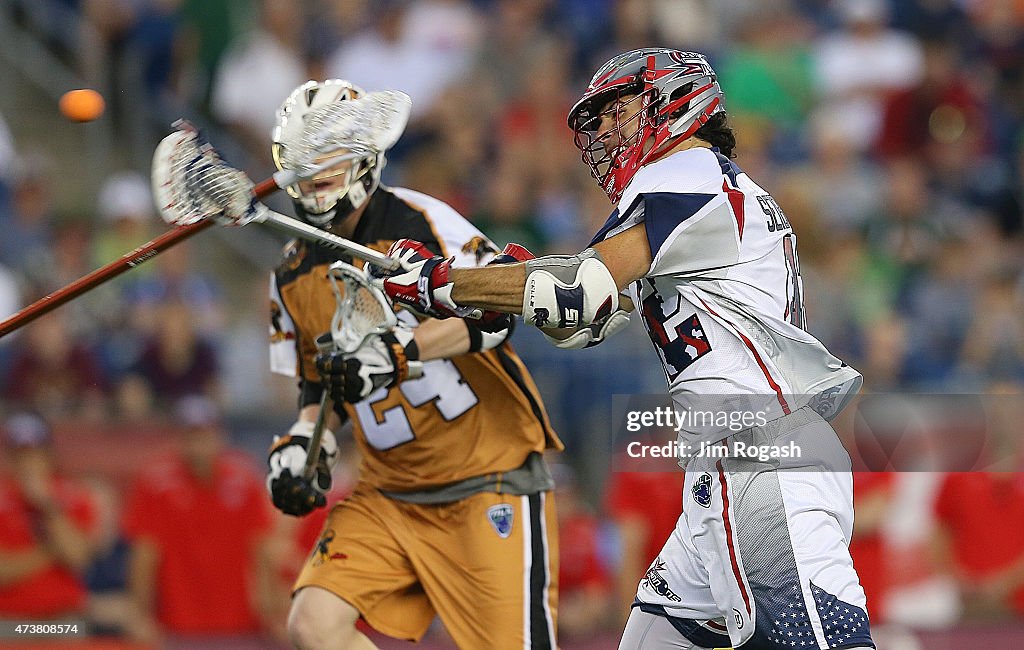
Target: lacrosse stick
(362,311)
(177,170)
(128,261)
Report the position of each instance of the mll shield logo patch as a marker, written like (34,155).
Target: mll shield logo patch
(501,518)
(702,490)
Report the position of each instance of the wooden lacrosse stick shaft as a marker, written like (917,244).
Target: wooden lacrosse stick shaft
(142,254)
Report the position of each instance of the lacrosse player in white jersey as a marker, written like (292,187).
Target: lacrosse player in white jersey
(759,557)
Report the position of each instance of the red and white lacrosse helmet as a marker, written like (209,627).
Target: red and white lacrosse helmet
(676,93)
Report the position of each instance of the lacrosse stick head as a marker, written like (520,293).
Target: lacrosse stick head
(321,120)
(362,309)
(192,183)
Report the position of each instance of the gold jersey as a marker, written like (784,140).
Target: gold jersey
(471,415)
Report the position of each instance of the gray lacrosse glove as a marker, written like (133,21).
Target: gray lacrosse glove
(383,360)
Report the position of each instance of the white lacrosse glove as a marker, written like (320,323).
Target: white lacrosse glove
(593,334)
(291,493)
(383,360)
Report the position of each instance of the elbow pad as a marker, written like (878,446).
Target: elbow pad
(568,291)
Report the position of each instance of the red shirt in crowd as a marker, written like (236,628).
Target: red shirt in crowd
(579,564)
(868,549)
(56,590)
(983,513)
(206,536)
(654,497)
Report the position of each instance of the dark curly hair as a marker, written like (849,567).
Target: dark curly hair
(718,133)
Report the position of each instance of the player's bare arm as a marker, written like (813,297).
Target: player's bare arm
(441,339)
(500,288)
(309,412)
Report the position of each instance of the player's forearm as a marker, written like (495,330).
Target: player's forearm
(627,257)
(441,339)
(497,288)
(310,412)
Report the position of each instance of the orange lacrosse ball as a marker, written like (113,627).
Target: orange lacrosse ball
(82,105)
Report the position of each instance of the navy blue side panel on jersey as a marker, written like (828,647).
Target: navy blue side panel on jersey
(614,220)
(729,168)
(690,629)
(842,623)
(687,341)
(663,211)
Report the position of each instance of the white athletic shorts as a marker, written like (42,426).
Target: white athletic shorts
(764,550)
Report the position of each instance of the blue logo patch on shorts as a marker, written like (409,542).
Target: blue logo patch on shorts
(501,518)
(702,490)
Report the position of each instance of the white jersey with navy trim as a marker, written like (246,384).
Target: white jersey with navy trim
(723,300)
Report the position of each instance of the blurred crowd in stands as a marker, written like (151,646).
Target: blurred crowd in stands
(890,131)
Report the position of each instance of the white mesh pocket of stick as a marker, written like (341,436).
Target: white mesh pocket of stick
(191,182)
(362,309)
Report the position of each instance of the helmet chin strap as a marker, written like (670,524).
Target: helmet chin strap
(320,220)
(357,194)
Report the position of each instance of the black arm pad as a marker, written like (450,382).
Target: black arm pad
(485,339)
(310,392)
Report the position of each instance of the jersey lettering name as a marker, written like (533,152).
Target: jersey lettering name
(776,219)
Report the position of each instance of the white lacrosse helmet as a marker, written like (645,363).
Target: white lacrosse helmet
(340,196)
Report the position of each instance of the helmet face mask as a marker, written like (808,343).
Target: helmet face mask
(614,135)
(338,191)
(642,103)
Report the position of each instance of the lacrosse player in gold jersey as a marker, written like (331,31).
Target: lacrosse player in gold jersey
(453,513)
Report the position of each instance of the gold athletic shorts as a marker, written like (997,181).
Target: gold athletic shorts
(487,565)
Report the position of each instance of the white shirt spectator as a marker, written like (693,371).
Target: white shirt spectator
(10,294)
(432,48)
(858,65)
(252,79)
